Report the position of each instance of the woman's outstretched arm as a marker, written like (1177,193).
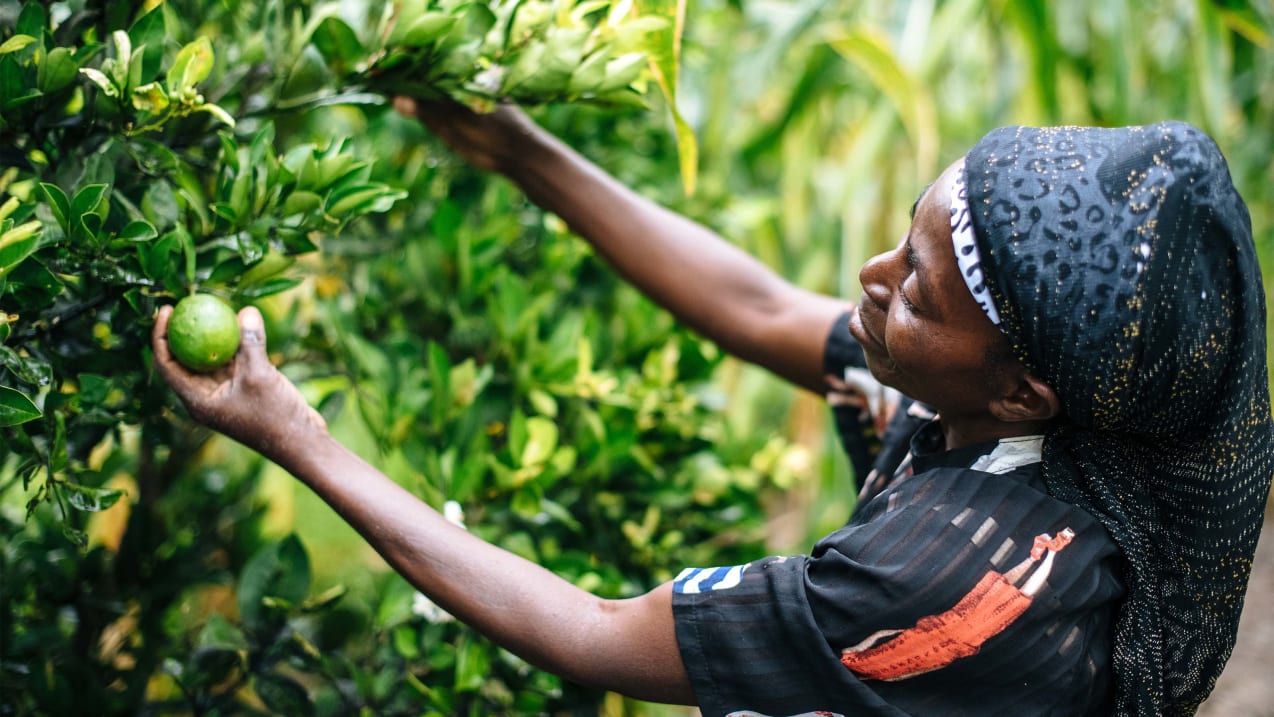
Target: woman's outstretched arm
(628,646)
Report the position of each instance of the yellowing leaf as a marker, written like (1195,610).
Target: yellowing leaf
(150,97)
(541,441)
(192,66)
(15,43)
(665,62)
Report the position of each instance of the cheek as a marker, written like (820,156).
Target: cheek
(905,335)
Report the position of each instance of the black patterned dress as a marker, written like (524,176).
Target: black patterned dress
(959,587)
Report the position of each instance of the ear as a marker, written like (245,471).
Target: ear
(1030,400)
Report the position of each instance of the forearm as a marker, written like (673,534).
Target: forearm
(709,284)
(627,646)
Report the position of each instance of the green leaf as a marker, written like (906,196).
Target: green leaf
(78,537)
(439,381)
(424,30)
(93,389)
(123,57)
(15,87)
(324,600)
(279,570)
(473,662)
(283,695)
(665,63)
(100,79)
(219,634)
(57,70)
(17,244)
(89,208)
(588,77)
(139,231)
(268,287)
(406,642)
(150,97)
(541,441)
(210,666)
(159,205)
(92,500)
(148,36)
(301,202)
(915,107)
(15,43)
(29,369)
(543,402)
(362,199)
(32,20)
(192,66)
(337,42)
(91,199)
(309,74)
(216,111)
(16,408)
(187,244)
(622,71)
(59,203)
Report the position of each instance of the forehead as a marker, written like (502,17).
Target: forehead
(931,224)
(930,239)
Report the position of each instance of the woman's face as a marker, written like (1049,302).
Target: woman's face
(919,326)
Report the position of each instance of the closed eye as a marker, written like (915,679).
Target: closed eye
(913,264)
(902,296)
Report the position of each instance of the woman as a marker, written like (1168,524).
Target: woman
(1060,517)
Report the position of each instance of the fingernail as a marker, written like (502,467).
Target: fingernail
(250,319)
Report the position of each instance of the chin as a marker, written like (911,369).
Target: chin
(881,368)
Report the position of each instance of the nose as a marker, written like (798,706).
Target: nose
(878,276)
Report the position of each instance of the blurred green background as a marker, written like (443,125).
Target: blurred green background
(470,347)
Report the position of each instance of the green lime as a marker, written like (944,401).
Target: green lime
(203,332)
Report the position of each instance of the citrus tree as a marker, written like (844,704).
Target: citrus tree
(461,340)
(450,332)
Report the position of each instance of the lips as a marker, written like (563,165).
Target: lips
(858,328)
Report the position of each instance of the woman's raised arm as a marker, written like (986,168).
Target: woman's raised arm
(705,281)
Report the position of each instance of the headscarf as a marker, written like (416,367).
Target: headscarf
(1123,268)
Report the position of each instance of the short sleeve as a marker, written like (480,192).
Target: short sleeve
(922,609)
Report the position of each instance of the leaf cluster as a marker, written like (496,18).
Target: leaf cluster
(489,359)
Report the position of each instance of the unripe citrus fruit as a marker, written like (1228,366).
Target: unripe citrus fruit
(203,332)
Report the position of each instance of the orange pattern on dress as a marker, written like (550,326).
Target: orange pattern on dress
(938,640)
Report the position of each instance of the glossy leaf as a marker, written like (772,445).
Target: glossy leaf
(192,66)
(92,499)
(16,408)
(279,570)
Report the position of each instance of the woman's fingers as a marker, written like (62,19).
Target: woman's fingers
(406,106)
(164,359)
(190,386)
(252,341)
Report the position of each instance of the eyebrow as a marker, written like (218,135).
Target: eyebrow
(913,261)
(918,198)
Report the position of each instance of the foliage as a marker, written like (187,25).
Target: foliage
(141,167)
(528,53)
(454,335)
(128,194)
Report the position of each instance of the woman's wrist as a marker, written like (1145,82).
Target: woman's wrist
(530,155)
(297,448)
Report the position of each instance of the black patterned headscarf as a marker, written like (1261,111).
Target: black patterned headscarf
(1122,265)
